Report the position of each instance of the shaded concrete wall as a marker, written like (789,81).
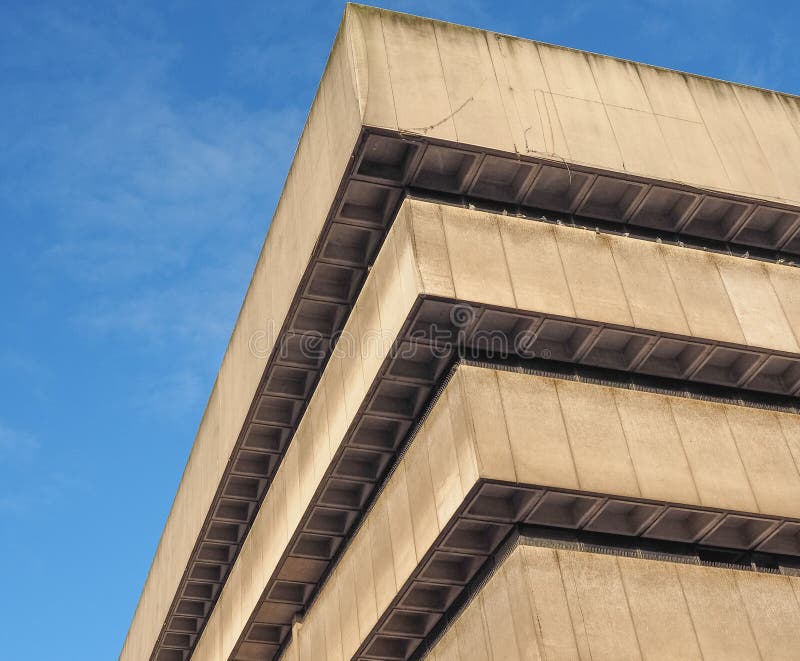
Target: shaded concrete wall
(318,166)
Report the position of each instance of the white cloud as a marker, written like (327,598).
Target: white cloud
(153,202)
(17,446)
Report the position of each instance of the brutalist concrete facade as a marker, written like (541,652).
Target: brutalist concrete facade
(516,376)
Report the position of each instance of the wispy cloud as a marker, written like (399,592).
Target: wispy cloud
(155,201)
(17,446)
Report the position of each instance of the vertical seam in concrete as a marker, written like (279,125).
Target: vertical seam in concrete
(788,447)
(555,110)
(557,557)
(780,305)
(499,93)
(627,443)
(628,605)
(708,133)
(347,24)
(788,581)
(487,639)
(674,569)
(528,591)
(665,261)
(734,575)
(564,271)
(605,112)
(505,423)
(753,133)
(577,605)
(566,432)
(675,169)
(730,300)
(388,71)
(795,126)
(415,251)
(510,88)
(741,460)
(440,216)
(683,449)
(621,281)
(451,116)
(473,436)
(509,272)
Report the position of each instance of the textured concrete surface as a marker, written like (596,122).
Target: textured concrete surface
(514,95)
(584,437)
(437,80)
(543,431)
(560,604)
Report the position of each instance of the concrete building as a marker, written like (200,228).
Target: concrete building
(516,376)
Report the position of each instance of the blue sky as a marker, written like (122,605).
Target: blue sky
(143,146)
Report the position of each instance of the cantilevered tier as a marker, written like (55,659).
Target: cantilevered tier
(502,448)
(411,105)
(441,286)
(572,601)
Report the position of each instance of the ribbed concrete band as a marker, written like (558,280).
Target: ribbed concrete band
(373,390)
(408,105)
(500,448)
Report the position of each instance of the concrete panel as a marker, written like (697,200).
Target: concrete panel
(538,436)
(720,619)
(568,73)
(415,66)
(655,446)
(421,495)
(538,284)
(598,442)
(767,464)
(477,243)
(655,597)
(592,276)
(712,454)
(521,609)
(645,277)
(641,143)
(383,571)
(443,457)
(500,629)
(478,111)
(694,154)
(775,135)
(605,617)
(588,132)
(757,308)
(525,93)
(430,243)
(710,612)
(542,603)
(668,94)
(772,611)
(483,400)
(733,137)
(702,295)
(619,83)
(371,66)
(401,526)
(541,569)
